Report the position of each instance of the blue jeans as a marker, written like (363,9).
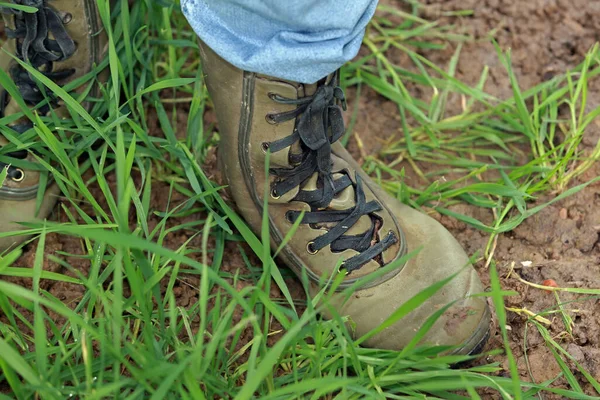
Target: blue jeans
(298,40)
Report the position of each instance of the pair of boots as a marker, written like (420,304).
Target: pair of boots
(345,215)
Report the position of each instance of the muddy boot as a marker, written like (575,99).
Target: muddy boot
(64,40)
(347,216)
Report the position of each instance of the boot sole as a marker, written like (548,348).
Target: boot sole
(479,346)
(476,343)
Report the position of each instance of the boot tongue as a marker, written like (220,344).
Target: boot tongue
(296,151)
(346,199)
(305,90)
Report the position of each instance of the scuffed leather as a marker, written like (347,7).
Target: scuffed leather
(242,102)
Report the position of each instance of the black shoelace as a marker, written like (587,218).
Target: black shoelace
(319,125)
(34,46)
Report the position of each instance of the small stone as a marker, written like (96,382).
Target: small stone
(563,214)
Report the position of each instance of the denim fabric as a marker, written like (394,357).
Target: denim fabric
(299,40)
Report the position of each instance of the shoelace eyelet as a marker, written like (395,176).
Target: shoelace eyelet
(265,146)
(68,17)
(310,249)
(19,176)
(274,194)
(343,268)
(270,118)
(289,217)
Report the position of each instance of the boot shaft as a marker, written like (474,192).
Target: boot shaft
(63,40)
(297,124)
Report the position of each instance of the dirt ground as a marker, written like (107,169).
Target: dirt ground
(562,242)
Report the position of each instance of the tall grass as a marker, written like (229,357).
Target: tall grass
(127,336)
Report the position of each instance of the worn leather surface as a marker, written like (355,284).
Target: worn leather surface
(242,101)
(86,30)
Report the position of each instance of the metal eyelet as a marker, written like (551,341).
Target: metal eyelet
(265,146)
(343,268)
(289,218)
(274,194)
(68,17)
(270,118)
(310,249)
(19,176)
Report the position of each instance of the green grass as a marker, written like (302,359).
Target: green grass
(128,338)
(476,150)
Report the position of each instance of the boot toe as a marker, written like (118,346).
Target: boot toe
(464,325)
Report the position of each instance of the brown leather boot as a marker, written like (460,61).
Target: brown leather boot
(64,39)
(349,223)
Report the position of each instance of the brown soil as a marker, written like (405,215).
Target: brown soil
(561,242)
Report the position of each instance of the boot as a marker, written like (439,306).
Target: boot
(64,40)
(347,216)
